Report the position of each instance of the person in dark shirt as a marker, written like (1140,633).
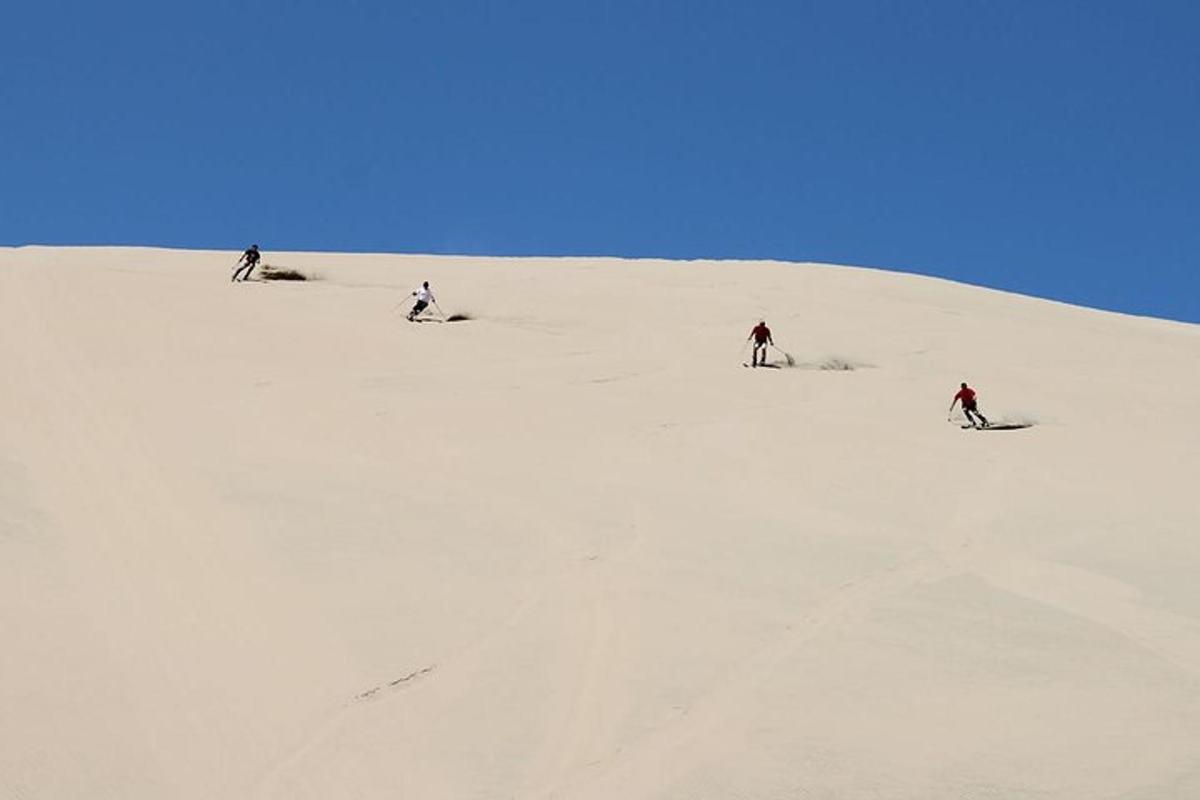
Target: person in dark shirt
(249,260)
(761,335)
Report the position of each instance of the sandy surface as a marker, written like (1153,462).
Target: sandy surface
(270,540)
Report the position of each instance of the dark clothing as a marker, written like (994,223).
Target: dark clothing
(970,408)
(417,308)
(762,337)
(971,412)
(248,261)
(760,348)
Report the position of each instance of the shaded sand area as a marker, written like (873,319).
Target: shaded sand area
(269,540)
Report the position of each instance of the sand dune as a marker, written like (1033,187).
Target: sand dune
(269,540)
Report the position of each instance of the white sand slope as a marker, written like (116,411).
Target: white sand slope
(272,541)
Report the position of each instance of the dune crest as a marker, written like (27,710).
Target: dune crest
(271,540)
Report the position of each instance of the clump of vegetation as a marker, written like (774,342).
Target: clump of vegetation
(838,364)
(282,274)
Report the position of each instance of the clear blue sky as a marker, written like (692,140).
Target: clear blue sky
(1047,147)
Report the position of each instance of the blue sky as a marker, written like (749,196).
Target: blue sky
(1044,147)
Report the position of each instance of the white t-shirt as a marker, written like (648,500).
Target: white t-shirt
(424,295)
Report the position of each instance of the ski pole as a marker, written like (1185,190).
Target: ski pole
(788,356)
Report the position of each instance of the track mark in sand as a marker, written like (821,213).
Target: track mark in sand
(275,778)
(584,722)
(614,378)
(343,717)
(1104,601)
(699,730)
(412,676)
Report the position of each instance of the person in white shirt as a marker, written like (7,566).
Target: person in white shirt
(424,298)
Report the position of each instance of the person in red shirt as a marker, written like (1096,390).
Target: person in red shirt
(967,395)
(762,337)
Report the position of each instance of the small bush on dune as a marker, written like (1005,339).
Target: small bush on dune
(838,364)
(282,274)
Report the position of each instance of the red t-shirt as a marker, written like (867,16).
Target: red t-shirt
(761,333)
(966,395)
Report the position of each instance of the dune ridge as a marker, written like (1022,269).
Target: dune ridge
(271,540)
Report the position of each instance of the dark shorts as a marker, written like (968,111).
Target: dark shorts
(420,306)
(969,405)
(757,343)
